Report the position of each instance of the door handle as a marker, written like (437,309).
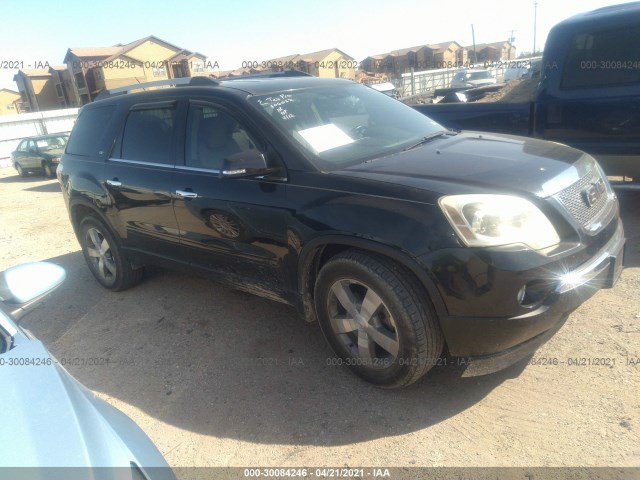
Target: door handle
(114,183)
(186,194)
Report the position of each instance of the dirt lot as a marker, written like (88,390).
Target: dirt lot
(514,92)
(221,378)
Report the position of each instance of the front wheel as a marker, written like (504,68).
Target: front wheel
(376,319)
(21,170)
(105,258)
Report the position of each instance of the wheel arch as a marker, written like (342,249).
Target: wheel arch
(320,250)
(80,208)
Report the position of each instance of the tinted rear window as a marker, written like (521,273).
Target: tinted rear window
(605,58)
(88,130)
(148,135)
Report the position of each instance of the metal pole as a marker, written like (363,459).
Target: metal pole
(413,83)
(535,18)
(473,38)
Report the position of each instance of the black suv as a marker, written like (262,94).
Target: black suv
(398,236)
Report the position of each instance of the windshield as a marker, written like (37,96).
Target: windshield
(345,125)
(51,143)
(478,75)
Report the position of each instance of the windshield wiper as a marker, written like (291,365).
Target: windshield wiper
(425,139)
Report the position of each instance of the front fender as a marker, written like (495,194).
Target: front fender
(312,252)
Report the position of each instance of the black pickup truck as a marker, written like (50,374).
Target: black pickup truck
(588,96)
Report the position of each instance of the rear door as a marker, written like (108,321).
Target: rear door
(31,158)
(235,228)
(139,176)
(20,152)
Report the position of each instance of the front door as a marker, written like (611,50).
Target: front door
(235,228)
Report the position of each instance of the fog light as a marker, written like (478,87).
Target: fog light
(534,292)
(521,294)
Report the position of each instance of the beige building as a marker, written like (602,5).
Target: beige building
(400,61)
(330,63)
(37,89)
(63,84)
(44,89)
(88,71)
(9,101)
(493,52)
(421,57)
(148,59)
(448,54)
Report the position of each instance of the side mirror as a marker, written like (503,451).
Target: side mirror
(23,287)
(250,163)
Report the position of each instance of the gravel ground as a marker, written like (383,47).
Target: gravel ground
(217,377)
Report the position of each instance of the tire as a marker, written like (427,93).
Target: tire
(399,317)
(47,169)
(20,170)
(105,258)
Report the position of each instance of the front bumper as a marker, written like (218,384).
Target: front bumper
(491,344)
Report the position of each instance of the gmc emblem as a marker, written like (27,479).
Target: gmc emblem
(593,192)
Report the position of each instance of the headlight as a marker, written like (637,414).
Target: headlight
(492,220)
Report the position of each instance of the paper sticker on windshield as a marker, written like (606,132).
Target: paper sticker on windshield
(325,137)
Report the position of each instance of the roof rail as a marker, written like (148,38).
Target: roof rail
(176,82)
(284,73)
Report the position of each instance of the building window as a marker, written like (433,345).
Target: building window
(80,80)
(97,74)
(159,71)
(198,67)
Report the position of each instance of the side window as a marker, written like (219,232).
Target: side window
(604,58)
(22,147)
(147,135)
(31,146)
(88,130)
(213,135)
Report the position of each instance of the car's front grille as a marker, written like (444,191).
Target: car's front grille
(575,201)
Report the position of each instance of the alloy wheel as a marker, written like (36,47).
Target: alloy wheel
(363,324)
(100,256)
(225,225)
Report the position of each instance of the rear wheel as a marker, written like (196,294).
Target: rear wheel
(375,317)
(104,256)
(47,169)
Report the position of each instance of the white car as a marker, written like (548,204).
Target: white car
(472,78)
(522,69)
(52,426)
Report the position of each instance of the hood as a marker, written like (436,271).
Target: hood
(480,161)
(50,420)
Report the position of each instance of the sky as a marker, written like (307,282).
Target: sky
(231,32)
